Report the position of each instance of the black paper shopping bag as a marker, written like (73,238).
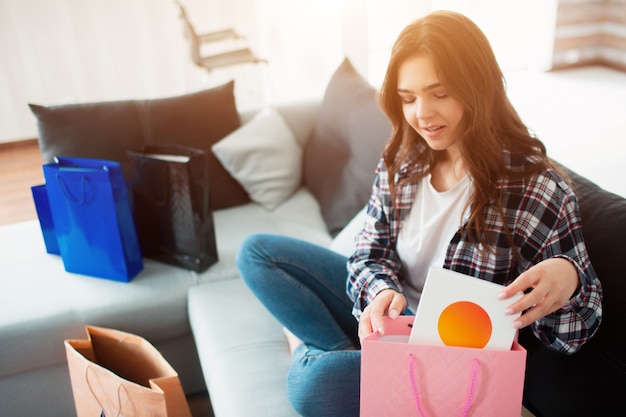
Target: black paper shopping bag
(171,206)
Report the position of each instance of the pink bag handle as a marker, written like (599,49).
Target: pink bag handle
(418,404)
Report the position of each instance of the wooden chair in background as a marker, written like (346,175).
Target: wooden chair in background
(221,43)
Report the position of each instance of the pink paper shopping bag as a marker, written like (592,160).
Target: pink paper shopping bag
(402,379)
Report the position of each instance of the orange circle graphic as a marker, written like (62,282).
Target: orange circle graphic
(464,324)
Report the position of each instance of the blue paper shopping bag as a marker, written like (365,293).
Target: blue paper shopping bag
(92,218)
(42,206)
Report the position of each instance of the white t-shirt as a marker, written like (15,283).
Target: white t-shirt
(426,233)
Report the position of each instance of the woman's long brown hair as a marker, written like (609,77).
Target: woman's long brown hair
(468,70)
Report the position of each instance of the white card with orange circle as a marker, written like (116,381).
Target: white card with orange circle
(459,310)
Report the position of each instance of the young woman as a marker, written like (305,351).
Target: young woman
(461,184)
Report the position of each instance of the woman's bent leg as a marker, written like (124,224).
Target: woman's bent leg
(303,286)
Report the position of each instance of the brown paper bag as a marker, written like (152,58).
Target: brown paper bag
(116,374)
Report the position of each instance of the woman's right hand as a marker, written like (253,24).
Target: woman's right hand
(386,303)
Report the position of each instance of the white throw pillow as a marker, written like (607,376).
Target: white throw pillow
(264,156)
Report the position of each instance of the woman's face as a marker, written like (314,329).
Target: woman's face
(426,105)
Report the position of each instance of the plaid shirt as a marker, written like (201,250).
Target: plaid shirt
(543,216)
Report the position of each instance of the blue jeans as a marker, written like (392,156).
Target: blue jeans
(304,287)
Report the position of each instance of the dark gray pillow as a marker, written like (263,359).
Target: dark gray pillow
(107,130)
(90,130)
(344,148)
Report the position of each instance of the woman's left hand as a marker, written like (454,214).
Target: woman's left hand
(553,283)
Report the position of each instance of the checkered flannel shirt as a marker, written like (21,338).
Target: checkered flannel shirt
(543,216)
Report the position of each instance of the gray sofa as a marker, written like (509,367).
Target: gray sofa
(42,304)
(208,325)
(245,358)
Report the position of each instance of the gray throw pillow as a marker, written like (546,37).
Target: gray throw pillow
(107,130)
(345,146)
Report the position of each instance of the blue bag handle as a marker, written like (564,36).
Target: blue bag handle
(67,192)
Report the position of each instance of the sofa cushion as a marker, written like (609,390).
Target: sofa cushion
(90,130)
(299,216)
(107,130)
(345,146)
(264,156)
(244,356)
(43,304)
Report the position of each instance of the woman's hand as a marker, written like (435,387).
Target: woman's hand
(386,303)
(553,283)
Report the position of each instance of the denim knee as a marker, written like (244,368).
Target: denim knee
(248,247)
(323,383)
(250,255)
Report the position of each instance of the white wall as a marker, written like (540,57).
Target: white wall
(66,51)
(70,51)
(520,31)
